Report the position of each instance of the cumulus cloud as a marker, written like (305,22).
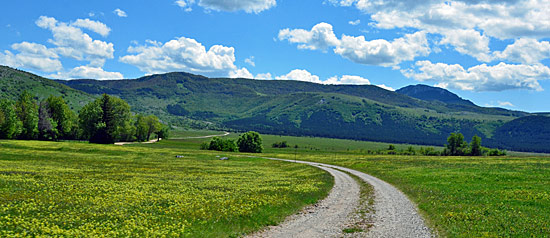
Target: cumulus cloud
(33,56)
(481,77)
(357,48)
(300,75)
(501,19)
(241,73)
(347,79)
(320,37)
(469,42)
(95,26)
(69,41)
(120,13)
(249,6)
(182,54)
(73,43)
(87,72)
(306,76)
(382,52)
(265,76)
(526,51)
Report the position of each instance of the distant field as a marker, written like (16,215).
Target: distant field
(460,196)
(78,189)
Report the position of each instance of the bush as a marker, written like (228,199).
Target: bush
(250,142)
(220,144)
(282,144)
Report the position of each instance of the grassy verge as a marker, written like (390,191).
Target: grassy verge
(362,216)
(465,196)
(79,189)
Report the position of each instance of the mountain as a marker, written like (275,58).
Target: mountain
(429,93)
(13,82)
(361,112)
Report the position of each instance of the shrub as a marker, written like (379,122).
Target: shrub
(282,144)
(250,142)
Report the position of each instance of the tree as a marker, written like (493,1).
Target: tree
(106,120)
(220,144)
(63,116)
(456,144)
(47,127)
(475,146)
(250,142)
(163,133)
(27,113)
(10,127)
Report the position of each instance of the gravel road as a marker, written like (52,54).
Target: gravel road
(324,219)
(395,215)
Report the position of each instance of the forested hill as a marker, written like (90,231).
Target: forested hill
(362,112)
(13,82)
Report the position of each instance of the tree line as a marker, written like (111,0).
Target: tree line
(106,120)
(248,142)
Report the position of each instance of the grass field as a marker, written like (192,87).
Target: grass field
(79,189)
(459,196)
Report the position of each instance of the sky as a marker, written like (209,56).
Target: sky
(495,53)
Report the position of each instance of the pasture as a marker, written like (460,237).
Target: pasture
(81,189)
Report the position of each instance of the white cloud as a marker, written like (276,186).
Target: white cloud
(357,49)
(249,6)
(499,77)
(320,37)
(469,42)
(505,104)
(300,75)
(526,51)
(265,76)
(185,4)
(87,72)
(182,54)
(73,43)
(501,19)
(382,52)
(95,26)
(120,13)
(241,73)
(33,56)
(347,79)
(355,23)
(385,87)
(250,61)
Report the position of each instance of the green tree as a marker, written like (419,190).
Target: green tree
(47,127)
(250,142)
(106,120)
(164,132)
(220,144)
(475,146)
(27,113)
(456,144)
(63,116)
(10,127)
(146,126)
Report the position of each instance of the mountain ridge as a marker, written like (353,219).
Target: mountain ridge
(361,112)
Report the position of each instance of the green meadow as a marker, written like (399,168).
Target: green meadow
(56,188)
(79,189)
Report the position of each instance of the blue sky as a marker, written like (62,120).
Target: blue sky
(495,53)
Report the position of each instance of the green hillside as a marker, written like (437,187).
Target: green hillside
(362,112)
(13,82)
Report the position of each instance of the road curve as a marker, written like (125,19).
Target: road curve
(201,137)
(327,218)
(395,215)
